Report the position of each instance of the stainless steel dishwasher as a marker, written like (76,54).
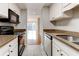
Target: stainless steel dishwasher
(48,44)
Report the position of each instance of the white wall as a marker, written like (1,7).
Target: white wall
(23,23)
(45,18)
(44,21)
(22,19)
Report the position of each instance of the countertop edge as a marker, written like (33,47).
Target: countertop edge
(8,41)
(76,47)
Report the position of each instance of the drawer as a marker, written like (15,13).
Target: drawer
(66,48)
(6,54)
(13,43)
(4,49)
(14,51)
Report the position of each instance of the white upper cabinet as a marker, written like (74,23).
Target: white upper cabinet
(69,6)
(14,8)
(51,12)
(3,10)
(66,4)
(56,12)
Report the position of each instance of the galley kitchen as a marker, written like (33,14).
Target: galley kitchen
(39,29)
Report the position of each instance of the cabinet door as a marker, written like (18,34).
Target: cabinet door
(56,11)
(10,49)
(63,53)
(14,47)
(66,4)
(14,51)
(4,49)
(4,10)
(14,8)
(56,50)
(65,49)
(13,43)
(6,54)
(69,6)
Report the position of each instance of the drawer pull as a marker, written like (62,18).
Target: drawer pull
(61,54)
(57,50)
(11,51)
(9,45)
(8,55)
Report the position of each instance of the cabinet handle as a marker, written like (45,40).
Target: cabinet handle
(9,45)
(57,50)
(61,54)
(8,55)
(11,51)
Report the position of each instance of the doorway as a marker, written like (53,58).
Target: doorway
(33,33)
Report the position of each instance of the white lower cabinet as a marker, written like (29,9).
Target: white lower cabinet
(13,48)
(63,53)
(14,52)
(56,51)
(4,50)
(6,54)
(61,49)
(10,49)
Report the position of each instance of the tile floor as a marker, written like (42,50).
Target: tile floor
(33,50)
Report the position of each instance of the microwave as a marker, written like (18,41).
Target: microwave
(13,17)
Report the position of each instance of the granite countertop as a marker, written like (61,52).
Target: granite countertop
(4,39)
(71,44)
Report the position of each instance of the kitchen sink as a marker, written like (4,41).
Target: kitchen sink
(63,36)
(72,39)
(76,43)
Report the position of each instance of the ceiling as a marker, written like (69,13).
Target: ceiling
(32,5)
(33,9)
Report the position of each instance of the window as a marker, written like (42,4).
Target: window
(31,26)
